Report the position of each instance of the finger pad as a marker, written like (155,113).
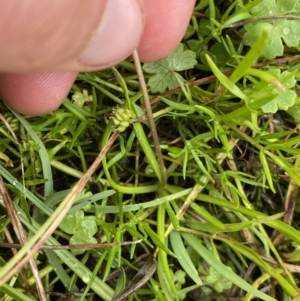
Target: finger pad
(35,94)
(165,25)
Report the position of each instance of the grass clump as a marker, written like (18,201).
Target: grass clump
(196,193)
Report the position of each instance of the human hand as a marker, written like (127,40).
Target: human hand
(45,43)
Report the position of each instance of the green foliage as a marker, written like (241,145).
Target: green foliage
(217,281)
(179,278)
(294,111)
(231,151)
(82,229)
(280,30)
(165,70)
(276,87)
(80,98)
(283,95)
(219,272)
(183,257)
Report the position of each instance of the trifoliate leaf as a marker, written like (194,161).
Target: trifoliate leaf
(83,229)
(88,226)
(71,221)
(84,234)
(279,30)
(165,70)
(81,237)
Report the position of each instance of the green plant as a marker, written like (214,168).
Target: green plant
(203,172)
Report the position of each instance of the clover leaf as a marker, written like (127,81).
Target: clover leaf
(82,227)
(84,235)
(218,282)
(71,221)
(279,30)
(165,70)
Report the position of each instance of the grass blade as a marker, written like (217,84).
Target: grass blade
(183,257)
(222,269)
(250,58)
(225,81)
(47,171)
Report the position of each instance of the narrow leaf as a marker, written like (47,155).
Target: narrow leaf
(225,81)
(250,58)
(183,257)
(265,165)
(156,240)
(222,269)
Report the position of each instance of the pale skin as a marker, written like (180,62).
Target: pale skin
(47,43)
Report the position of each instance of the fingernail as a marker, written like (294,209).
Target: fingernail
(117,36)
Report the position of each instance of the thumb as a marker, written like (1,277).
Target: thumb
(69,35)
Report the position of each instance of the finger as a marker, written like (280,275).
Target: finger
(61,47)
(160,39)
(69,35)
(165,24)
(37,93)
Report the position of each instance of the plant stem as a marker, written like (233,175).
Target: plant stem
(150,116)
